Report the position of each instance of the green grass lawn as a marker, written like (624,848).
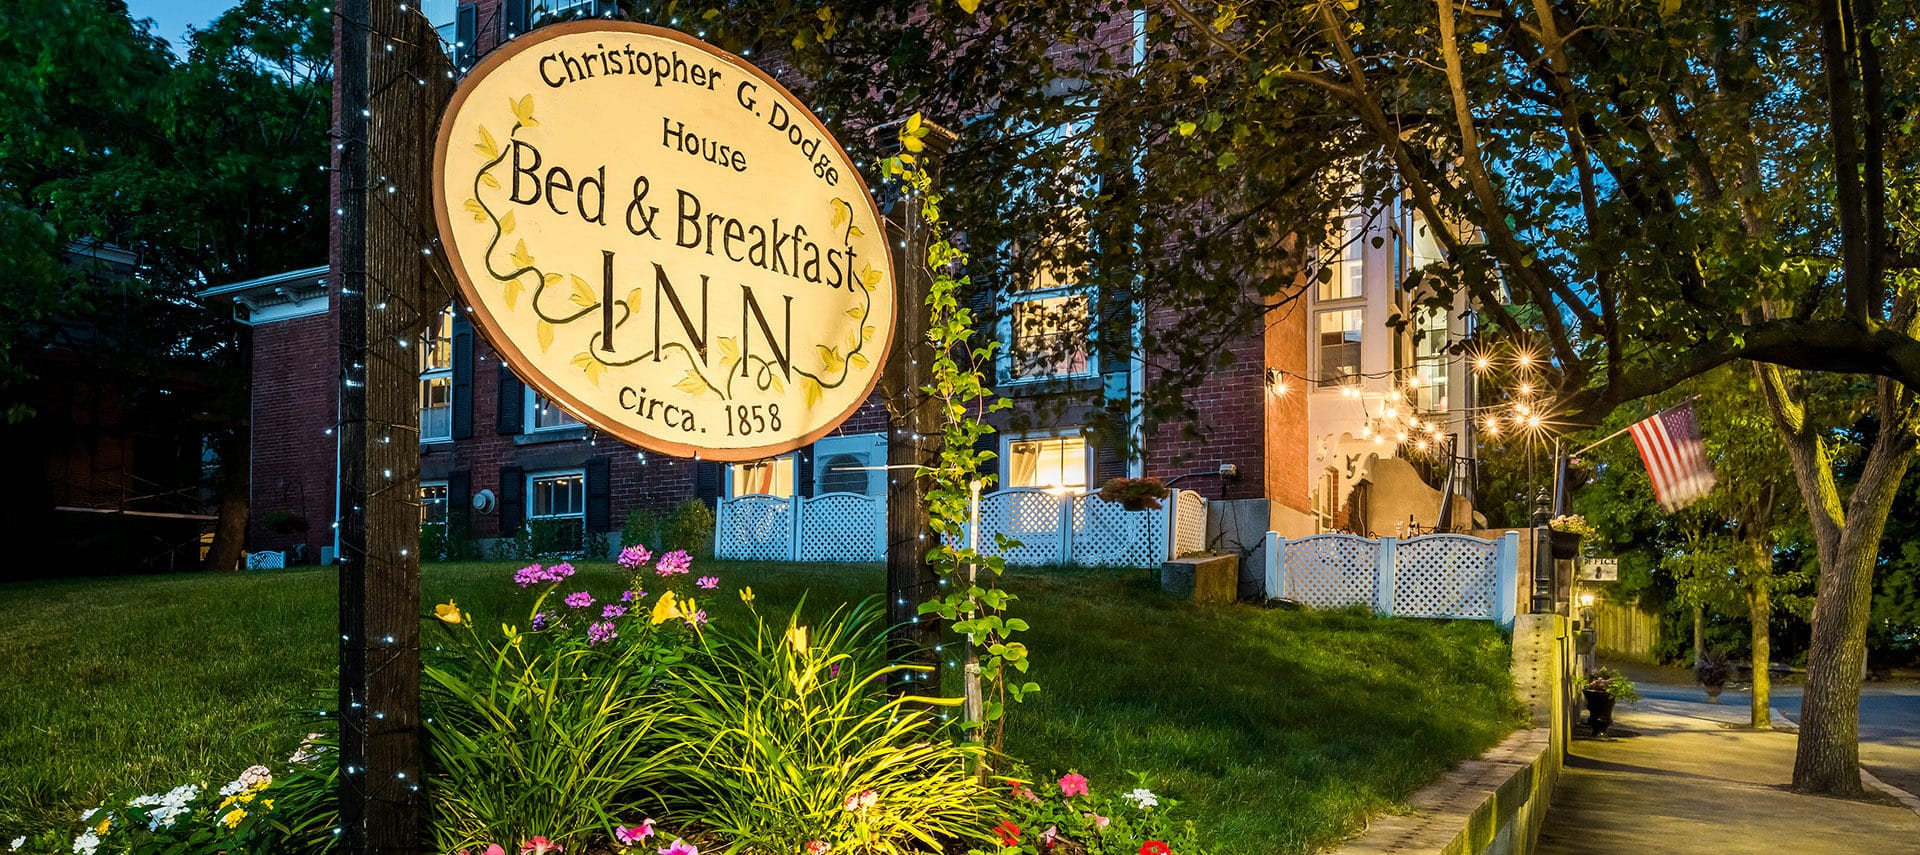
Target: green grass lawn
(1280,730)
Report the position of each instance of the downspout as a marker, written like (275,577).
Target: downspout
(1137,370)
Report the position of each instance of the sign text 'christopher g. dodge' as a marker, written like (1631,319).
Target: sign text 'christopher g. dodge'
(663,241)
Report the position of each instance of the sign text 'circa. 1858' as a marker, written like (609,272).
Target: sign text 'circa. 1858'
(663,241)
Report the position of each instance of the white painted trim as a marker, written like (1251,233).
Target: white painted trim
(556,473)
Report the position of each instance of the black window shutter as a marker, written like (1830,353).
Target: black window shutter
(513,499)
(803,472)
(460,503)
(512,402)
(1108,464)
(466,32)
(514,17)
(706,480)
(989,443)
(462,376)
(599,495)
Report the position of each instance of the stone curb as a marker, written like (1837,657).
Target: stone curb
(1909,800)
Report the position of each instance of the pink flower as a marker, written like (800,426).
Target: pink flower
(494,849)
(862,800)
(601,632)
(675,562)
(1098,820)
(632,834)
(539,846)
(680,847)
(579,599)
(699,618)
(818,847)
(1073,784)
(529,575)
(1048,835)
(1020,789)
(635,557)
(708,582)
(559,571)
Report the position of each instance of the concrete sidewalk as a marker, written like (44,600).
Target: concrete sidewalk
(1684,777)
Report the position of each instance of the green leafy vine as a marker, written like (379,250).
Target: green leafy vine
(973,601)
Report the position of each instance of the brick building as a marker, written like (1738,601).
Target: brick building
(1296,425)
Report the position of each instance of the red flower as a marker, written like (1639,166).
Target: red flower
(1008,833)
(1155,847)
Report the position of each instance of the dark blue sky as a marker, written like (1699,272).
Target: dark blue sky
(172,17)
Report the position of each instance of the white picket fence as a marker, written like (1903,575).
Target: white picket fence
(1050,528)
(1438,576)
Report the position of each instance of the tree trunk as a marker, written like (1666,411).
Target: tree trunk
(1699,633)
(230,532)
(1760,612)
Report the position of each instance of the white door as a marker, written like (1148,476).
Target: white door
(838,463)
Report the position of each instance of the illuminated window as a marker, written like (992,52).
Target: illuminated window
(543,414)
(436,379)
(1339,351)
(1341,267)
(773,477)
(1430,359)
(557,494)
(433,503)
(1057,463)
(1049,338)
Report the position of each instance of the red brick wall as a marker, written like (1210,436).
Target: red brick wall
(296,395)
(1231,423)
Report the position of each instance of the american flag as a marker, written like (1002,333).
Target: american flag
(1669,442)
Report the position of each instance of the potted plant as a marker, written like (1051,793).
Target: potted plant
(1135,494)
(1712,670)
(1602,688)
(1565,533)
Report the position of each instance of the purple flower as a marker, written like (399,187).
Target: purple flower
(629,595)
(708,582)
(675,562)
(529,575)
(600,632)
(559,571)
(613,611)
(699,618)
(543,620)
(579,599)
(635,557)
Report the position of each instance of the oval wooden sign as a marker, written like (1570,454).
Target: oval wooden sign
(663,241)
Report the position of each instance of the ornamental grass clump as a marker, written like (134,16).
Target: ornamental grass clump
(793,745)
(554,731)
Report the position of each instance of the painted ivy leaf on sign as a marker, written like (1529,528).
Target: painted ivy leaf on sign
(729,353)
(866,333)
(519,256)
(858,313)
(523,111)
(869,277)
(633,301)
(858,360)
(506,223)
(692,384)
(512,293)
(544,331)
(583,294)
(830,357)
(593,367)
(811,388)
(487,146)
(842,212)
(488,179)
(479,210)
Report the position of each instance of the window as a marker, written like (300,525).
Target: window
(433,503)
(1049,337)
(549,10)
(1430,359)
(543,414)
(1339,349)
(1341,260)
(1056,463)
(436,379)
(1326,508)
(773,477)
(558,494)
(443,15)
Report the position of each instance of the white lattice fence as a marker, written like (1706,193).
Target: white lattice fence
(1028,516)
(1330,571)
(1108,535)
(1442,576)
(1189,523)
(266,560)
(1446,575)
(843,527)
(754,528)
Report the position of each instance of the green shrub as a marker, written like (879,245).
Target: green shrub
(642,529)
(791,739)
(689,527)
(547,731)
(549,539)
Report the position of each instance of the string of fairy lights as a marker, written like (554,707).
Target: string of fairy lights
(1522,410)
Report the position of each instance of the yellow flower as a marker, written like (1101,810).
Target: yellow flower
(666,609)
(797,639)
(267,803)
(448,612)
(102,827)
(746,594)
(233,817)
(689,610)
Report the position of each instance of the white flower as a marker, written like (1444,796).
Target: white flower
(232,788)
(1142,797)
(18,842)
(88,814)
(86,843)
(255,777)
(164,817)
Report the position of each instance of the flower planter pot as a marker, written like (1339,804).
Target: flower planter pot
(1599,712)
(1713,693)
(1566,545)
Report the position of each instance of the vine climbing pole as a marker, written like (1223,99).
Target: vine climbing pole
(913,440)
(391,82)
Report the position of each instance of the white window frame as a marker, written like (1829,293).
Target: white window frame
(1007,441)
(1320,380)
(448,513)
(1010,298)
(534,478)
(428,374)
(530,412)
(792,461)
